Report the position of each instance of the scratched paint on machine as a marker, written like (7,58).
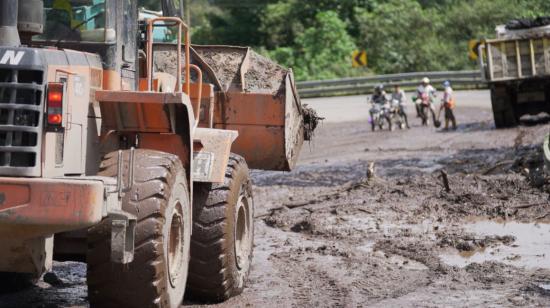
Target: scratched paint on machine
(40,207)
(13,195)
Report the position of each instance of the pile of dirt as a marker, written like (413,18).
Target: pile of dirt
(498,196)
(265,76)
(226,62)
(165,62)
(261,75)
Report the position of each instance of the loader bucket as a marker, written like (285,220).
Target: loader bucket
(257,98)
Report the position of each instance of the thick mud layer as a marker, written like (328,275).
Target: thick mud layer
(259,74)
(454,219)
(265,76)
(226,62)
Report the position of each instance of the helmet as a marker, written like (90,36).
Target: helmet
(446,84)
(379,87)
(426,80)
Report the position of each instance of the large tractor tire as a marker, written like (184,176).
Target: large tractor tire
(158,274)
(503,108)
(223,234)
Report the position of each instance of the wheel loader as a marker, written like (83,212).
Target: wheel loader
(128,148)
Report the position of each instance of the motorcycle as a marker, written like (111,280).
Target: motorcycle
(379,113)
(397,115)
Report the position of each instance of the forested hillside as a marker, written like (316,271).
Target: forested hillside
(316,38)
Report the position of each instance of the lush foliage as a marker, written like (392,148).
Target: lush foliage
(318,37)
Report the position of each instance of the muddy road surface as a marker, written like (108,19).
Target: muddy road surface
(455,219)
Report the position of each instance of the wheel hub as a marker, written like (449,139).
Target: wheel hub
(242,232)
(175,245)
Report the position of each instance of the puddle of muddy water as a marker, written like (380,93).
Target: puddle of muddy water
(531,249)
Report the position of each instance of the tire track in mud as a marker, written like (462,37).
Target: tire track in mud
(312,285)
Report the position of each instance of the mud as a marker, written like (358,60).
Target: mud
(261,75)
(265,76)
(327,235)
(226,63)
(311,121)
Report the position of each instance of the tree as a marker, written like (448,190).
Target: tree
(321,51)
(397,35)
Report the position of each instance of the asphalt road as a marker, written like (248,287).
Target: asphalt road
(355,108)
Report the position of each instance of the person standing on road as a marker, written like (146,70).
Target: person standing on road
(448,105)
(400,96)
(425,96)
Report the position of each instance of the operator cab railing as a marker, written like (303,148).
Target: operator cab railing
(185,69)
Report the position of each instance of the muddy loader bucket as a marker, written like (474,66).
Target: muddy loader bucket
(257,98)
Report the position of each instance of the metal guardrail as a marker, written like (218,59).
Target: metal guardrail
(367,84)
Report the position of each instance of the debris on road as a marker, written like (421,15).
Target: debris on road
(329,236)
(445,180)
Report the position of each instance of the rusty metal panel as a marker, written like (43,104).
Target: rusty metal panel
(270,127)
(252,109)
(138,111)
(263,147)
(40,207)
(168,143)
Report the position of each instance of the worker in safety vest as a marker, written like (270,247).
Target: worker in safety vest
(448,103)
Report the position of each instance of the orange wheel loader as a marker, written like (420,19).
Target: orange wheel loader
(125,147)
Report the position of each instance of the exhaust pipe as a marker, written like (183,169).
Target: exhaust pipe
(9,36)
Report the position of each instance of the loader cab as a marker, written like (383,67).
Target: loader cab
(108,28)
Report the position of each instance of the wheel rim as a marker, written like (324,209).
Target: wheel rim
(176,245)
(242,232)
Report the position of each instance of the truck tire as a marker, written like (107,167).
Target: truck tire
(158,274)
(223,234)
(503,108)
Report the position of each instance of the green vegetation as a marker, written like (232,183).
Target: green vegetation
(317,37)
